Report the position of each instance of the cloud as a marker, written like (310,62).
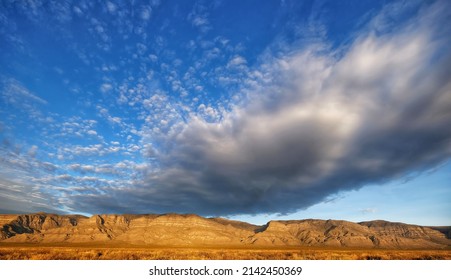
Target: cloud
(112,120)
(368,211)
(302,127)
(111,7)
(33,150)
(208,112)
(14,93)
(236,61)
(325,124)
(85,150)
(106,87)
(145,12)
(74,126)
(82,168)
(199,17)
(22,198)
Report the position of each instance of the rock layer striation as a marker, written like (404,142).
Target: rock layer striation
(193,230)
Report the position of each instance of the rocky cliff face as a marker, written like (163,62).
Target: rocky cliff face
(193,230)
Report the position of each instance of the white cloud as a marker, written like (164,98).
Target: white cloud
(15,93)
(368,210)
(33,150)
(145,13)
(82,168)
(111,7)
(199,21)
(77,10)
(114,149)
(115,120)
(153,57)
(236,61)
(199,17)
(106,115)
(74,126)
(208,112)
(65,177)
(106,87)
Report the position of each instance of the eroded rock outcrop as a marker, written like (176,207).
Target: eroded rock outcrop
(193,230)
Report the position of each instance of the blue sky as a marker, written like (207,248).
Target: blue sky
(253,110)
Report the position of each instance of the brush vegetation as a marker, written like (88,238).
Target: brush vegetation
(84,252)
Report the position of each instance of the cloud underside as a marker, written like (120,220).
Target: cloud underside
(324,124)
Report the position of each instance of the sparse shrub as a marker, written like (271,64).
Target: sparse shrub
(80,253)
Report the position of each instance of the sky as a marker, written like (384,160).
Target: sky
(251,110)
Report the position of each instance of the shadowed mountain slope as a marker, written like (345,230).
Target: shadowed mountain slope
(193,230)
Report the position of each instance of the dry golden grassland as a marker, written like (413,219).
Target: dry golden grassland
(102,252)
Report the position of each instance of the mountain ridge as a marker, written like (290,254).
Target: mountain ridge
(192,230)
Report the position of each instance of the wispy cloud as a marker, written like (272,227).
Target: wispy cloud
(106,115)
(368,211)
(14,93)
(199,17)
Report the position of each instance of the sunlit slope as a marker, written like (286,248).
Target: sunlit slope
(193,230)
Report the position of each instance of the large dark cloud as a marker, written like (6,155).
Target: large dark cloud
(326,123)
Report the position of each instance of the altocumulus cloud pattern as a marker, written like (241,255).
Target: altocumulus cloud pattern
(191,106)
